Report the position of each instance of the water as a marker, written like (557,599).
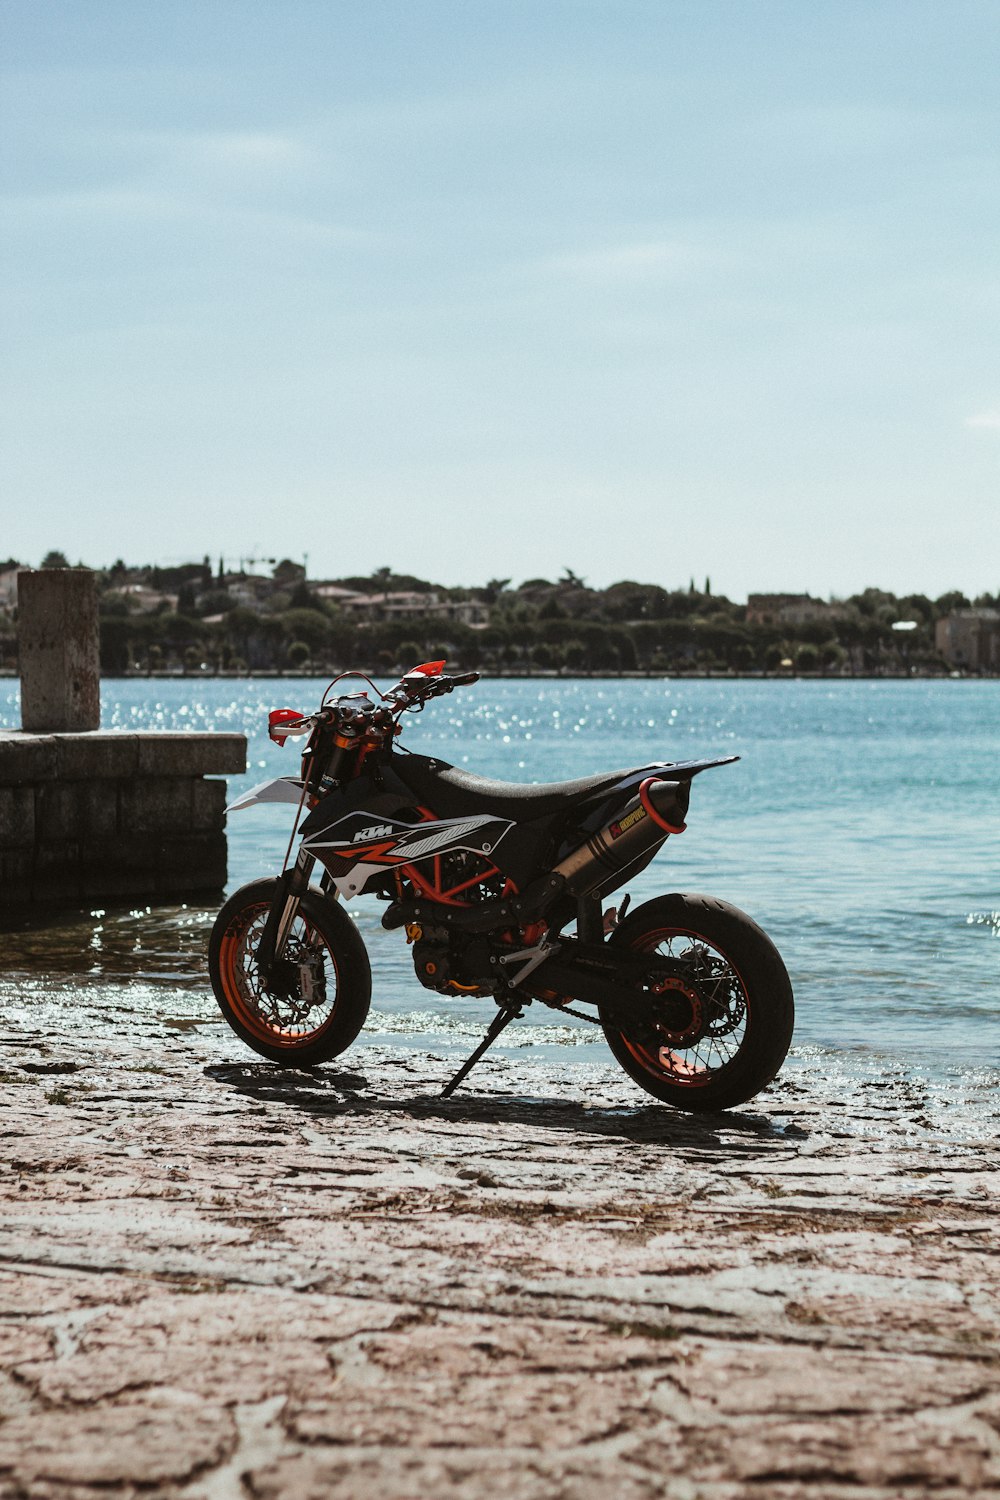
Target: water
(859,828)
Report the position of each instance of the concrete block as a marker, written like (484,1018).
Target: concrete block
(77,810)
(167,754)
(17,817)
(98,809)
(208,806)
(155,804)
(57,888)
(207,882)
(101,756)
(15,876)
(51,858)
(92,818)
(201,855)
(55,876)
(59,649)
(26,757)
(154,862)
(128,853)
(57,811)
(110,884)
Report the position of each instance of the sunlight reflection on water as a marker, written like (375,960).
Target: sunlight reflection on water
(859,828)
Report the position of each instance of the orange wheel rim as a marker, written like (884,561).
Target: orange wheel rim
(307,1003)
(728,1002)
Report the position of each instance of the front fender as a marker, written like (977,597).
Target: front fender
(284,789)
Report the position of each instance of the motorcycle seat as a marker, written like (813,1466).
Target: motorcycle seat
(452,793)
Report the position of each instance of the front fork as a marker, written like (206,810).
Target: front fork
(292,886)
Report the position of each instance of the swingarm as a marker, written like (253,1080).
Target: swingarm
(591,973)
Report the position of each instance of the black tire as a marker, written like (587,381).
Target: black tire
(716,1033)
(324,955)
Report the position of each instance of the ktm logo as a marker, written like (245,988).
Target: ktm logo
(377,831)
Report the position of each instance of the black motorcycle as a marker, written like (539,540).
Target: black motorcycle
(499,888)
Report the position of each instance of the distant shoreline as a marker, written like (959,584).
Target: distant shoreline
(550,676)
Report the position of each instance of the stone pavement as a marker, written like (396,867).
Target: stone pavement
(220,1280)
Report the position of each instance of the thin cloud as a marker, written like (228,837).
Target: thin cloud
(238,155)
(126,208)
(989,420)
(647,260)
(254,149)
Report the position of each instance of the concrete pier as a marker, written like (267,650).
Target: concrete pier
(87,814)
(106,815)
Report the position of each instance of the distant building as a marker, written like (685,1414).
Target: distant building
(789,609)
(969,639)
(148,600)
(467,611)
(403,605)
(410,604)
(334,593)
(249,590)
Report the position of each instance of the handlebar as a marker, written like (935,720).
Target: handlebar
(437,686)
(362,715)
(414,689)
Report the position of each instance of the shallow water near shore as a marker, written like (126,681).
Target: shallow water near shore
(860,828)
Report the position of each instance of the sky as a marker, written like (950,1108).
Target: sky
(472,289)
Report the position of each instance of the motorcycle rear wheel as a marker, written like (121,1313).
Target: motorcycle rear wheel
(319,1000)
(716,1033)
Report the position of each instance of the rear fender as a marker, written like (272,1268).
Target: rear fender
(603,807)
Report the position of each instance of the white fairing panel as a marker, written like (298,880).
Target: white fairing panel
(401,842)
(285,789)
(354,882)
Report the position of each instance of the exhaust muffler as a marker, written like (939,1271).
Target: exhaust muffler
(655,812)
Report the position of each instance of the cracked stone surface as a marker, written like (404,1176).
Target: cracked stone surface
(219,1279)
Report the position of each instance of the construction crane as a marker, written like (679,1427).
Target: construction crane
(237,563)
(244,562)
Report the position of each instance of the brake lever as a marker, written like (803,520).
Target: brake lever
(436,688)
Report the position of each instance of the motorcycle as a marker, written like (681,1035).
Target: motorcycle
(499,889)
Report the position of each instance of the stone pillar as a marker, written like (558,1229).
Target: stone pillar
(59,647)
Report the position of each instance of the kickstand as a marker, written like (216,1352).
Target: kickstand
(503,1018)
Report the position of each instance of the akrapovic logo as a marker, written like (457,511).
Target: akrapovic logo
(617,829)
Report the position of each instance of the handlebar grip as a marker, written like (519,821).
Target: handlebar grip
(464,679)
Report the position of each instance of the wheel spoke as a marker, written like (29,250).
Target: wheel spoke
(716,1006)
(304,983)
(711,1011)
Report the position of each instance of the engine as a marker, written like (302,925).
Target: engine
(451,963)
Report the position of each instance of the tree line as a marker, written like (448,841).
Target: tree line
(540,626)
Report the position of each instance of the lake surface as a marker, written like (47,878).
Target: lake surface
(860,828)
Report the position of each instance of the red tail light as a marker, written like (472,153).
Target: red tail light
(279,717)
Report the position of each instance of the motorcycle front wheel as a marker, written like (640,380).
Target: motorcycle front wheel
(320,989)
(714,1030)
